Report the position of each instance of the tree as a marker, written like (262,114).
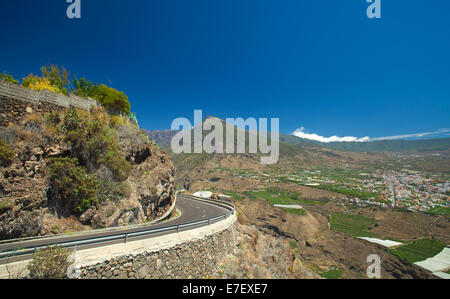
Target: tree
(57,77)
(85,88)
(112,99)
(8,78)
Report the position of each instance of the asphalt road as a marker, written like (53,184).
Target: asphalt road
(191,211)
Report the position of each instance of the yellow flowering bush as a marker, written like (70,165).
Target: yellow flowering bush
(37,83)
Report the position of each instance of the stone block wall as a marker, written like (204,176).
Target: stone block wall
(16,101)
(196,259)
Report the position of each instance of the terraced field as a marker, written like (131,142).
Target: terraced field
(419,250)
(355,225)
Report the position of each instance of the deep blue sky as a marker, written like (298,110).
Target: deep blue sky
(322,64)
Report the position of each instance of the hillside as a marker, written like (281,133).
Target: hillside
(69,169)
(328,184)
(437,144)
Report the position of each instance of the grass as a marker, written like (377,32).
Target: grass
(440,211)
(419,250)
(333,273)
(355,225)
(6,204)
(234,195)
(273,196)
(293,244)
(448,271)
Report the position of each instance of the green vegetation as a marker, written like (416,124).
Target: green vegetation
(6,154)
(333,273)
(96,169)
(84,88)
(112,99)
(73,189)
(94,143)
(6,204)
(58,78)
(293,244)
(440,211)
(418,250)
(108,97)
(375,146)
(50,263)
(278,197)
(53,79)
(355,225)
(234,195)
(8,78)
(273,196)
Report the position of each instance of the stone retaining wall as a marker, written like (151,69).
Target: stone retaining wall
(16,101)
(195,259)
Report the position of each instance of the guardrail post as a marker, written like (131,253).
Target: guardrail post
(209,221)
(126,238)
(178,228)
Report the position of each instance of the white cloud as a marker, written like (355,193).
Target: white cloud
(302,134)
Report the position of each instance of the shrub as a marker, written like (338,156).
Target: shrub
(33,121)
(8,78)
(116,121)
(71,188)
(9,135)
(72,121)
(53,118)
(94,143)
(112,99)
(36,83)
(6,204)
(50,134)
(109,189)
(50,263)
(6,155)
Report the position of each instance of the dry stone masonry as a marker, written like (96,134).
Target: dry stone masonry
(16,101)
(196,259)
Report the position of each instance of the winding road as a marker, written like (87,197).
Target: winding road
(195,212)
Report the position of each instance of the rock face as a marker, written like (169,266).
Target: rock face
(25,210)
(152,191)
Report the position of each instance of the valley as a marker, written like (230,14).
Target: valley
(343,195)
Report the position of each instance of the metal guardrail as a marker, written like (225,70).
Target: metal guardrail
(123,236)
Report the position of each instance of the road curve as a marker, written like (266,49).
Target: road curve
(192,210)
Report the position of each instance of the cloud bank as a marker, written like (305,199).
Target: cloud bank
(300,132)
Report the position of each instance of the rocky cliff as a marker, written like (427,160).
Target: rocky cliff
(28,203)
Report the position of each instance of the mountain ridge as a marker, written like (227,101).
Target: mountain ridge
(163,139)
